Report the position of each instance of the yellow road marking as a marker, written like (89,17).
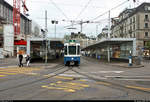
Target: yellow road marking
(63,77)
(19,71)
(32,73)
(19,68)
(2,75)
(70,87)
(59,77)
(82,80)
(14,71)
(46,75)
(59,88)
(70,90)
(136,87)
(79,84)
(8,73)
(66,86)
(103,83)
(59,82)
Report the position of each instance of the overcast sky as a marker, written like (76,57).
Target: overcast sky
(75,10)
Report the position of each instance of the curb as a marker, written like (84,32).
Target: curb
(139,66)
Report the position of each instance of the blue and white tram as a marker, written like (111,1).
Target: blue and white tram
(72,52)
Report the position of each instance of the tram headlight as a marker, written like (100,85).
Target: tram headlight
(72,58)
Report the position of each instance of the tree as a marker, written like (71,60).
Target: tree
(36,31)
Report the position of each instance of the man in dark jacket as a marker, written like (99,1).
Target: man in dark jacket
(20,60)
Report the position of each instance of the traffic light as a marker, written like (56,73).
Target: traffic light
(53,21)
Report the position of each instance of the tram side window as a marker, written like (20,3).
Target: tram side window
(72,50)
(65,50)
(78,50)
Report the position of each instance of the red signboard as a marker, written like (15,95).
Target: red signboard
(20,42)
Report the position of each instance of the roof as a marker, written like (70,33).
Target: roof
(41,39)
(111,41)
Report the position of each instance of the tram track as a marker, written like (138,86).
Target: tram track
(60,69)
(111,83)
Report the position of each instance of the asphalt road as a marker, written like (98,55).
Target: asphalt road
(92,80)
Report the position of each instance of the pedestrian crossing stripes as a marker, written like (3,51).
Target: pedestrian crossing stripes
(14,71)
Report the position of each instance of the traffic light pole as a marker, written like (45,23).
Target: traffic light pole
(108,37)
(46,36)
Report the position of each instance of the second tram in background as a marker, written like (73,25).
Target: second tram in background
(72,53)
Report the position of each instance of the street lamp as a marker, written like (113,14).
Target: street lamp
(54,22)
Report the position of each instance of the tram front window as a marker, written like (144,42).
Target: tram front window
(78,50)
(65,50)
(72,50)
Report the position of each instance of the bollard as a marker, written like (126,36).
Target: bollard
(130,59)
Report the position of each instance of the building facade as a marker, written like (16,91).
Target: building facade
(104,33)
(82,38)
(134,23)
(6,18)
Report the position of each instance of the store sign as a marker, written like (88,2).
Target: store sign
(20,42)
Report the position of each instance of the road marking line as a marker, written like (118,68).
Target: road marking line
(15,71)
(103,83)
(111,71)
(135,79)
(60,88)
(66,86)
(47,75)
(78,84)
(75,75)
(31,73)
(69,86)
(130,76)
(8,73)
(12,66)
(82,80)
(63,77)
(2,75)
(136,87)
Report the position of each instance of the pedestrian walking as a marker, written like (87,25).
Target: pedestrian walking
(28,58)
(20,60)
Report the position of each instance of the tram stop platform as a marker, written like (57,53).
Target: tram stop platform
(117,63)
(126,65)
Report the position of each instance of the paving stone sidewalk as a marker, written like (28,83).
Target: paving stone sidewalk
(126,65)
(13,62)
